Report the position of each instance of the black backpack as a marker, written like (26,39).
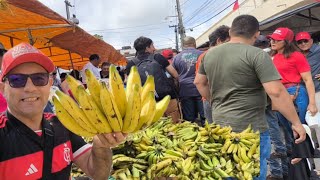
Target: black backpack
(150,66)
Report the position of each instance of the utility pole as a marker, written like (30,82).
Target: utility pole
(180,24)
(67,8)
(177,39)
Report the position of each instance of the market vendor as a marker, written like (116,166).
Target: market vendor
(35,144)
(236,84)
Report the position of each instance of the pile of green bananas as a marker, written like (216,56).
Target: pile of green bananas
(106,108)
(187,151)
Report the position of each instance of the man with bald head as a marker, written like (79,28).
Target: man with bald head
(190,97)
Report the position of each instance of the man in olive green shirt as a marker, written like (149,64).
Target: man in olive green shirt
(239,75)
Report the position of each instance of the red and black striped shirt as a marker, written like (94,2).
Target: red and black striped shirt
(21,149)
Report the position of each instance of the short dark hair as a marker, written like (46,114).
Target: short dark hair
(63,75)
(141,44)
(94,57)
(105,64)
(221,33)
(244,26)
(175,51)
(75,74)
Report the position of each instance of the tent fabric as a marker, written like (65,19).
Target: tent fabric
(61,40)
(305,18)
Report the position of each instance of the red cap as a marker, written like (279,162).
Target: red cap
(167,53)
(282,34)
(303,35)
(24,53)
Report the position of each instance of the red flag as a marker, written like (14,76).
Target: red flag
(236,5)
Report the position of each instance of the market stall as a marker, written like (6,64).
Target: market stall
(64,42)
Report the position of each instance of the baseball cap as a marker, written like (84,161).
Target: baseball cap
(24,53)
(282,34)
(167,53)
(303,35)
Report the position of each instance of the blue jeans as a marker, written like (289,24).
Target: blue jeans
(278,165)
(191,107)
(301,103)
(207,111)
(265,150)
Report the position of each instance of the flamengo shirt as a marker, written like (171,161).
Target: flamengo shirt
(21,149)
(290,68)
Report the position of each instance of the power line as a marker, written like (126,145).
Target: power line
(207,13)
(185,2)
(197,10)
(129,27)
(212,17)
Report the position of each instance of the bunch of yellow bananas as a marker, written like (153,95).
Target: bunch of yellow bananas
(106,108)
(187,151)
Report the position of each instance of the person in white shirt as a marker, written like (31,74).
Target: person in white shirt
(92,65)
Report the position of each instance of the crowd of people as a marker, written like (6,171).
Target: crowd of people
(270,82)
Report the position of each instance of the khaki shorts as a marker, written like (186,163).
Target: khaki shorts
(173,110)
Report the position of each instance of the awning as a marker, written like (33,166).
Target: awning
(65,43)
(305,18)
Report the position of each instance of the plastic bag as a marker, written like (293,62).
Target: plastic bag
(313,121)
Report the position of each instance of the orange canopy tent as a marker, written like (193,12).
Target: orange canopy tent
(65,43)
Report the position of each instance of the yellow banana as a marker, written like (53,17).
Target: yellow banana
(110,109)
(148,86)
(247,130)
(68,121)
(161,107)
(93,87)
(235,149)
(133,78)
(117,90)
(252,150)
(73,85)
(131,119)
(226,146)
(244,156)
(75,112)
(230,149)
(147,112)
(93,112)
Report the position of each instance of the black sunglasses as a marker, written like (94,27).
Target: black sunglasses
(302,41)
(20,80)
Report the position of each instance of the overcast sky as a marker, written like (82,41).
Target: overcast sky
(120,22)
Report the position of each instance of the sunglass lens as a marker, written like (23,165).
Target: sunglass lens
(303,41)
(17,80)
(40,79)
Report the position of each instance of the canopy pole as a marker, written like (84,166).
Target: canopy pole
(310,17)
(30,37)
(11,41)
(74,73)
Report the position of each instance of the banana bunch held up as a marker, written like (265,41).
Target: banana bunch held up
(106,108)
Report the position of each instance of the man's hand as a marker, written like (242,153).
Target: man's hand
(313,109)
(317,76)
(299,133)
(109,140)
(295,160)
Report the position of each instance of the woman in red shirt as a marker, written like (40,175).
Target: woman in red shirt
(293,67)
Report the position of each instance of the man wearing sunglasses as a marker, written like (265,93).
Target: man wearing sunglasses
(35,144)
(312,53)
